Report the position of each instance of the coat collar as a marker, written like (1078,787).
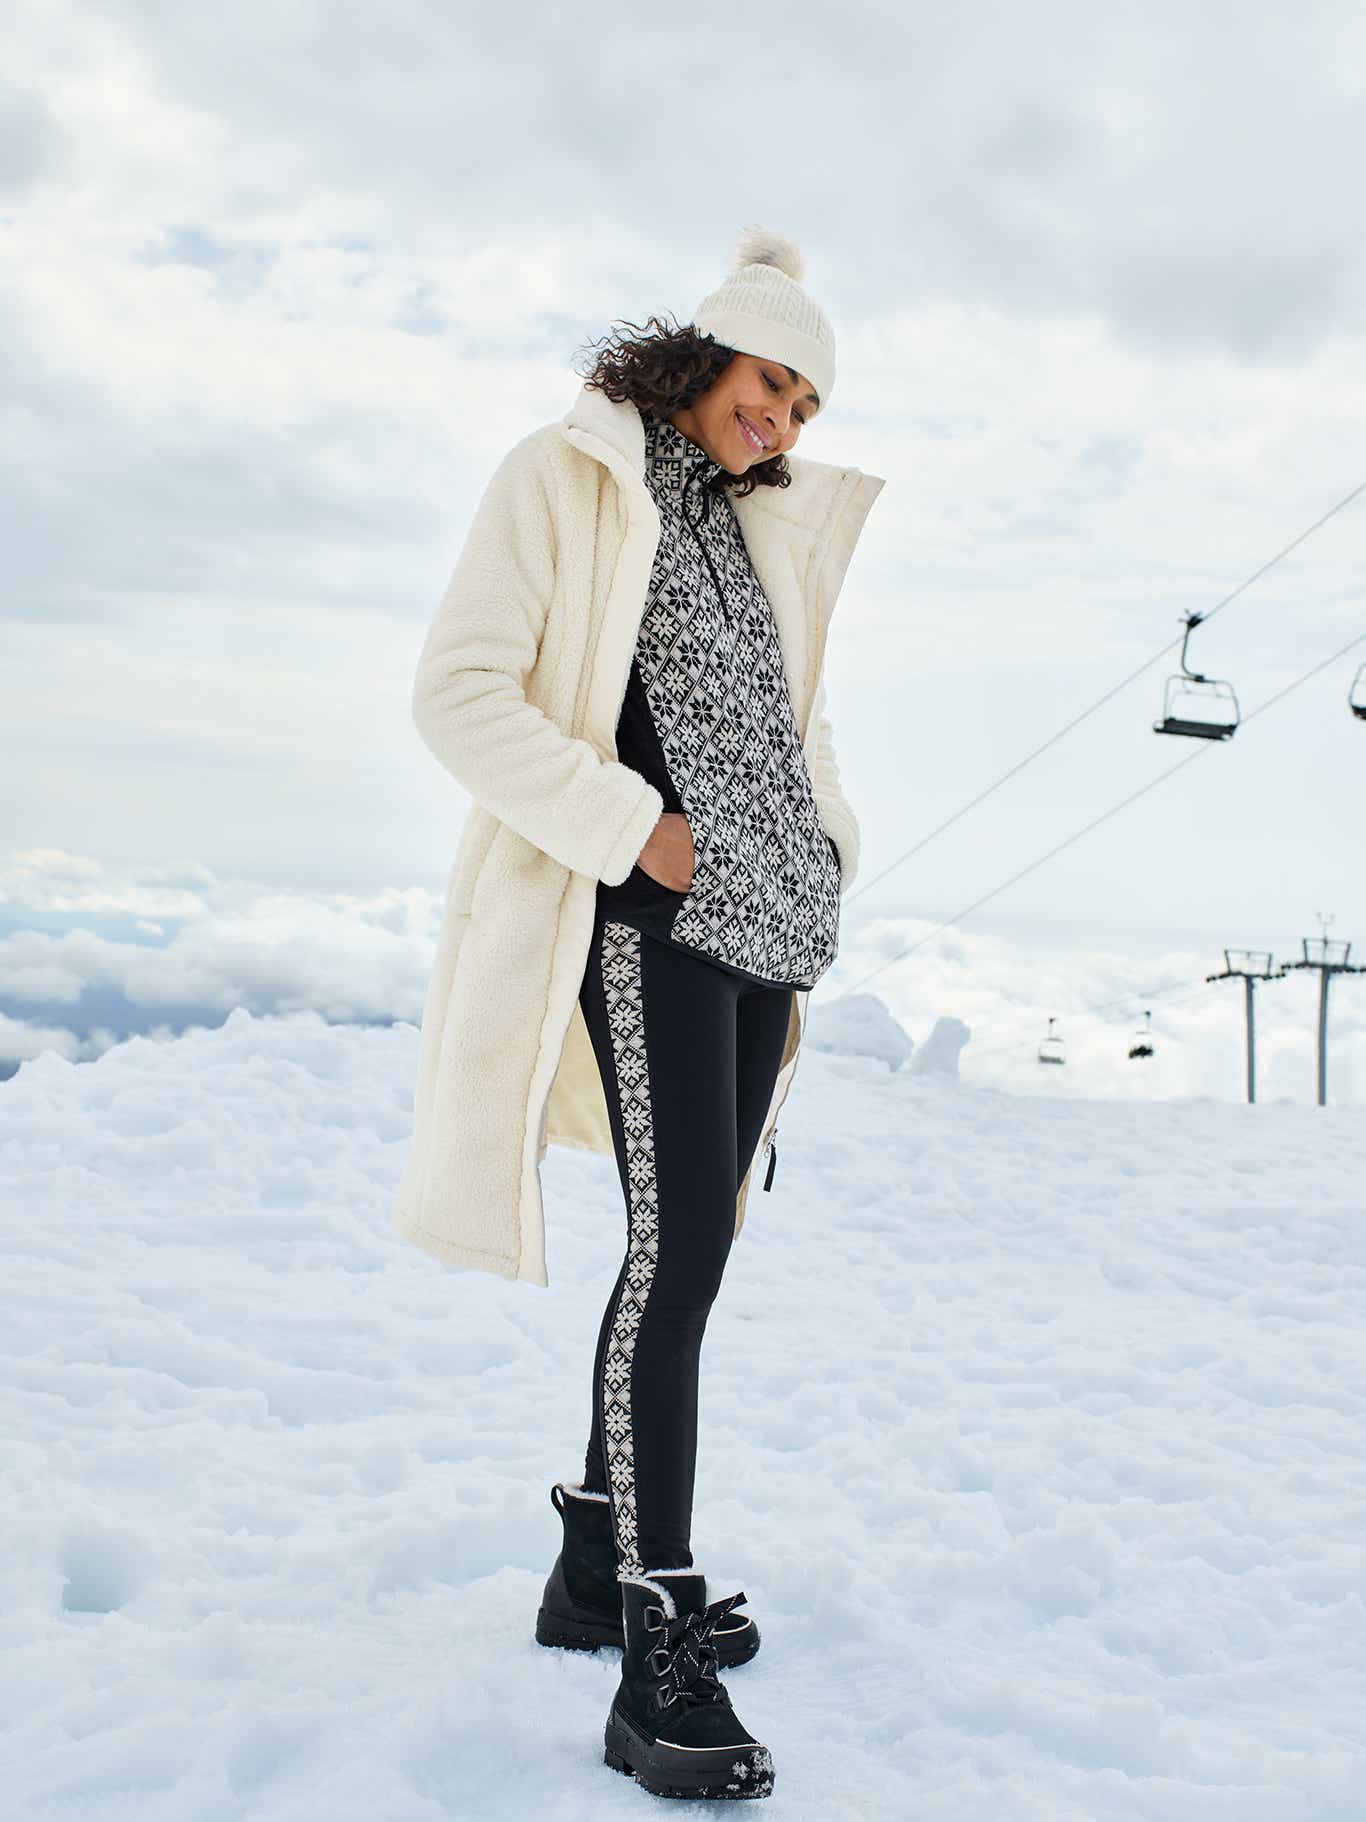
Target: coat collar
(614,432)
(822,510)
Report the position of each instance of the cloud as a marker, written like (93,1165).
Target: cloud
(96,954)
(276,293)
(90,955)
(29,140)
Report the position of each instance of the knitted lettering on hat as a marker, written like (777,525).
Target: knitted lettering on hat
(761,308)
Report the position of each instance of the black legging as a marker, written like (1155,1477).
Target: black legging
(688,1053)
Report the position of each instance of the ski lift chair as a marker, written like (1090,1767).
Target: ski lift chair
(1356,696)
(1050,1047)
(1204,708)
(1142,1045)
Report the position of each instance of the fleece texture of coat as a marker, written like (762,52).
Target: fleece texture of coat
(517,693)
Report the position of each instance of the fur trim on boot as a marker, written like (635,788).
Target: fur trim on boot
(581,1605)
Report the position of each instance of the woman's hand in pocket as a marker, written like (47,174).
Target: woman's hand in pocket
(669,856)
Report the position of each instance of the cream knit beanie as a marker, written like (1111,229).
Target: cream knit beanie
(760,308)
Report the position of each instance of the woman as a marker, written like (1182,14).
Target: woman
(625,674)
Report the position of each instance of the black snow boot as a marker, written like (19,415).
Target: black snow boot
(581,1605)
(671,1722)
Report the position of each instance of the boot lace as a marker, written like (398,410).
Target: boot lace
(685,1658)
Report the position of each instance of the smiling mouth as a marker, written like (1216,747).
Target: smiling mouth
(751,437)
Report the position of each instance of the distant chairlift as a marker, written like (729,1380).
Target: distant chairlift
(1356,696)
(1050,1047)
(1196,705)
(1142,1045)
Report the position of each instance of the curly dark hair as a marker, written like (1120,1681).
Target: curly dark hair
(663,369)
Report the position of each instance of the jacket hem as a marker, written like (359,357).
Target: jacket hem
(558,1138)
(450,1252)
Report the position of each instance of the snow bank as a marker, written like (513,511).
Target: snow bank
(1031,1428)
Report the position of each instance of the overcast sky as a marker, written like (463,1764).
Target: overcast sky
(280,284)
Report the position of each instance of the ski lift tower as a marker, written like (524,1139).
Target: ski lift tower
(1249,966)
(1330,958)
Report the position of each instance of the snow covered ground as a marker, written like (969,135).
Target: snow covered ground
(1032,1429)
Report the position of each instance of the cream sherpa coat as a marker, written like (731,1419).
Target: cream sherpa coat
(517,693)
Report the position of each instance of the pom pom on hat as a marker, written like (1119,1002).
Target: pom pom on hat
(762,247)
(761,308)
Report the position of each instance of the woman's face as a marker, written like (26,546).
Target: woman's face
(756,395)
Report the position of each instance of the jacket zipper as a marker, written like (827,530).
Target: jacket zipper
(692,525)
(770,1138)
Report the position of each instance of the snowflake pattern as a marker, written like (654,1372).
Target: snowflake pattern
(621,980)
(760,1766)
(765,892)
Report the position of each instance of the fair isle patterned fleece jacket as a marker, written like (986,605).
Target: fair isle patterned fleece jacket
(707,718)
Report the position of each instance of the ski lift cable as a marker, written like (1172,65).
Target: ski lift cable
(1109,696)
(1095,823)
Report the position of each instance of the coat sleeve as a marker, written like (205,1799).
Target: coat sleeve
(593,815)
(837,818)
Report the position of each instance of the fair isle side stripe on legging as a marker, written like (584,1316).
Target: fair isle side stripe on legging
(626,1021)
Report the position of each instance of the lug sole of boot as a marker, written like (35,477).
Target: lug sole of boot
(724,1773)
(575,1634)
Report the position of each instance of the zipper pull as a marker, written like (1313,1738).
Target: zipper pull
(772,1162)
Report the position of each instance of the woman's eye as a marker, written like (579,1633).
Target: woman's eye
(769,377)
